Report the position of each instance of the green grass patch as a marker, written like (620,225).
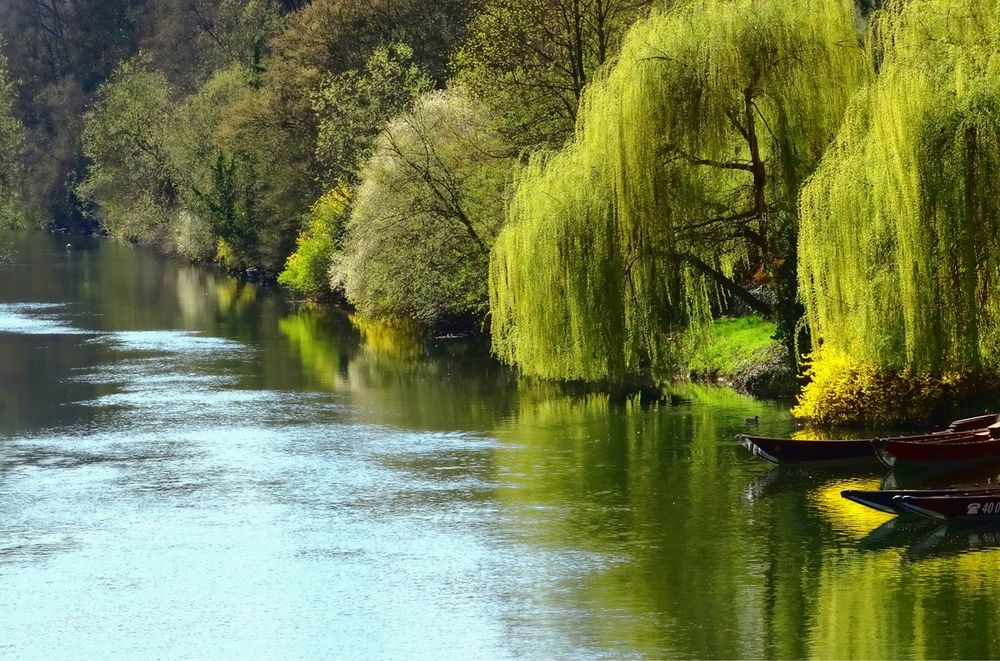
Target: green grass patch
(733,346)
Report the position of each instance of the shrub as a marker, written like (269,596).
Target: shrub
(427,211)
(845,390)
(307,269)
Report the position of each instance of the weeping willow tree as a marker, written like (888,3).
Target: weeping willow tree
(680,184)
(900,228)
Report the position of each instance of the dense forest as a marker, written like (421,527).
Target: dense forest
(592,182)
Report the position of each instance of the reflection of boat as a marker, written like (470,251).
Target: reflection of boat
(770,483)
(965,447)
(851,451)
(889,500)
(898,532)
(983,505)
(953,539)
(943,476)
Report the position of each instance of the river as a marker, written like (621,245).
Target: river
(194,467)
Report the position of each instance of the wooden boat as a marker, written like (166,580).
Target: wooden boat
(845,452)
(982,506)
(810,452)
(954,448)
(888,500)
(987,421)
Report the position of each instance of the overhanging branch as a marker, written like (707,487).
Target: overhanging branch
(735,289)
(724,165)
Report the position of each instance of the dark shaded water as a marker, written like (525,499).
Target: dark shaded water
(192,468)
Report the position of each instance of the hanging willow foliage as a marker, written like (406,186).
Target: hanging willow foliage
(900,229)
(687,160)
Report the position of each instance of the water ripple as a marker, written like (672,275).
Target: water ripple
(36,319)
(175,342)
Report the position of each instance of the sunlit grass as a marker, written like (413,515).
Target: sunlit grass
(733,345)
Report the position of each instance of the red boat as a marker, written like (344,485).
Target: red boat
(982,506)
(961,448)
(985,421)
(815,452)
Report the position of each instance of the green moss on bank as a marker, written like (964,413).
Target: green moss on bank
(742,353)
(731,345)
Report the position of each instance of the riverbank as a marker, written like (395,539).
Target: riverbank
(738,352)
(741,353)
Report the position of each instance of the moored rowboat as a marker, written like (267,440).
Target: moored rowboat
(847,452)
(807,452)
(937,451)
(888,500)
(983,506)
(986,421)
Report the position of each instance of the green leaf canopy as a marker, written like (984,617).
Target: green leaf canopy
(688,157)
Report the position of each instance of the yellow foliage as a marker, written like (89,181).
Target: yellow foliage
(224,255)
(843,389)
(307,270)
(399,339)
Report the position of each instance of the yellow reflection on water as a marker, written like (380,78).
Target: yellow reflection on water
(973,567)
(857,616)
(399,340)
(806,434)
(811,433)
(712,395)
(926,599)
(320,355)
(234,295)
(844,515)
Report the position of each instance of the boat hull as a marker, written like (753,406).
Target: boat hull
(982,507)
(889,500)
(965,448)
(839,452)
(811,452)
(815,452)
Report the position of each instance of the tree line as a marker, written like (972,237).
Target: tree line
(591,180)
(360,149)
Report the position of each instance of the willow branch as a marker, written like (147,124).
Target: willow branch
(729,285)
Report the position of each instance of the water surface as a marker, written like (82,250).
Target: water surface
(193,467)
